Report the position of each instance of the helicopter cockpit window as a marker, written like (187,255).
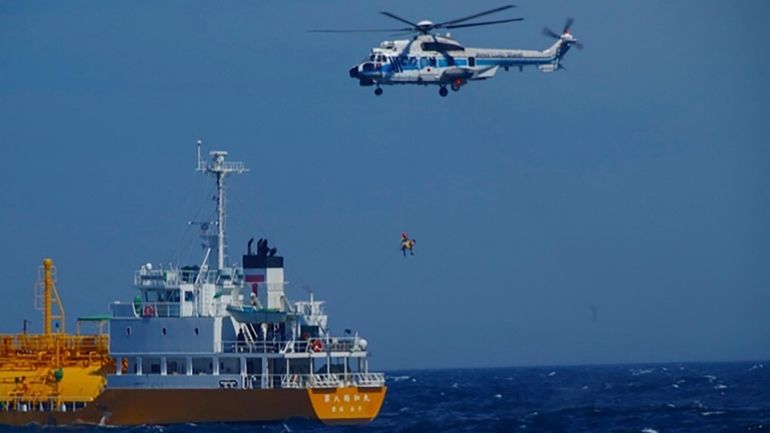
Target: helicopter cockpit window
(371,58)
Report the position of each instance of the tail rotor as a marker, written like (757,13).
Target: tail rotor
(565,35)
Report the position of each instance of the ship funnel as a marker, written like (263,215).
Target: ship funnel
(263,274)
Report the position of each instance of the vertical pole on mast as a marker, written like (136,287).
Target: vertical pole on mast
(220,168)
(220,219)
(47,287)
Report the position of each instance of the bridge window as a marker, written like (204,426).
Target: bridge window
(151,365)
(229,365)
(176,365)
(133,365)
(253,366)
(202,366)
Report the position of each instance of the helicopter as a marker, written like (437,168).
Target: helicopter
(432,59)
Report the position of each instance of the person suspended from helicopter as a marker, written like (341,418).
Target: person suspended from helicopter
(407,244)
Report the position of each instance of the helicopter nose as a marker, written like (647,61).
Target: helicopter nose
(369,70)
(353,72)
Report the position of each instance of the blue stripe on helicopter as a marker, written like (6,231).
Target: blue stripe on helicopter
(396,66)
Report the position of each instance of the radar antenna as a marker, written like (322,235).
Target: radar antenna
(219,168)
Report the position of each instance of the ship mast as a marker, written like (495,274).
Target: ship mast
(220,168)
(47,296)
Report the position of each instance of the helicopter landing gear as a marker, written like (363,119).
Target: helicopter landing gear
(378,91)
(443,91)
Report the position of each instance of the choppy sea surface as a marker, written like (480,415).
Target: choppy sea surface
(662,398)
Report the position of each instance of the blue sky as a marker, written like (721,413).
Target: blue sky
(637,182)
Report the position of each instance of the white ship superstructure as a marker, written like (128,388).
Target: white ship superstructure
(218,326)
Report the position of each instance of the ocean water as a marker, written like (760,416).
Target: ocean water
(663,398)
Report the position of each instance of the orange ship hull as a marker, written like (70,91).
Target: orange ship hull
(349,405)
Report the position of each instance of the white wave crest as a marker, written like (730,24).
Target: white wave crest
(399,378)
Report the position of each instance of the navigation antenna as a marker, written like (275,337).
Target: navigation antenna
(220,168)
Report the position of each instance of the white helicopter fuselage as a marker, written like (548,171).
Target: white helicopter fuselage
(439,60)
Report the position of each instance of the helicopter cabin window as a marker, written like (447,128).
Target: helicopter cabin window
(423,62)
(432,61)
(471,61)
(441,46)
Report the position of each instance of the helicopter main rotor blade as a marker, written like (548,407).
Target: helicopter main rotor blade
(551,33)
(403,33)
(485,23)
(470,17)
(360,30)
(396,17)
(568,24)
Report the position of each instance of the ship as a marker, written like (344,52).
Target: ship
(207,342)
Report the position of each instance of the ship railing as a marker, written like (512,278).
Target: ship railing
(173,277)
(368,379)
(146,309)
(292,381)
(259,346)
(41,404)
(332,380)
(222,165)
(311,345)
(36,344)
